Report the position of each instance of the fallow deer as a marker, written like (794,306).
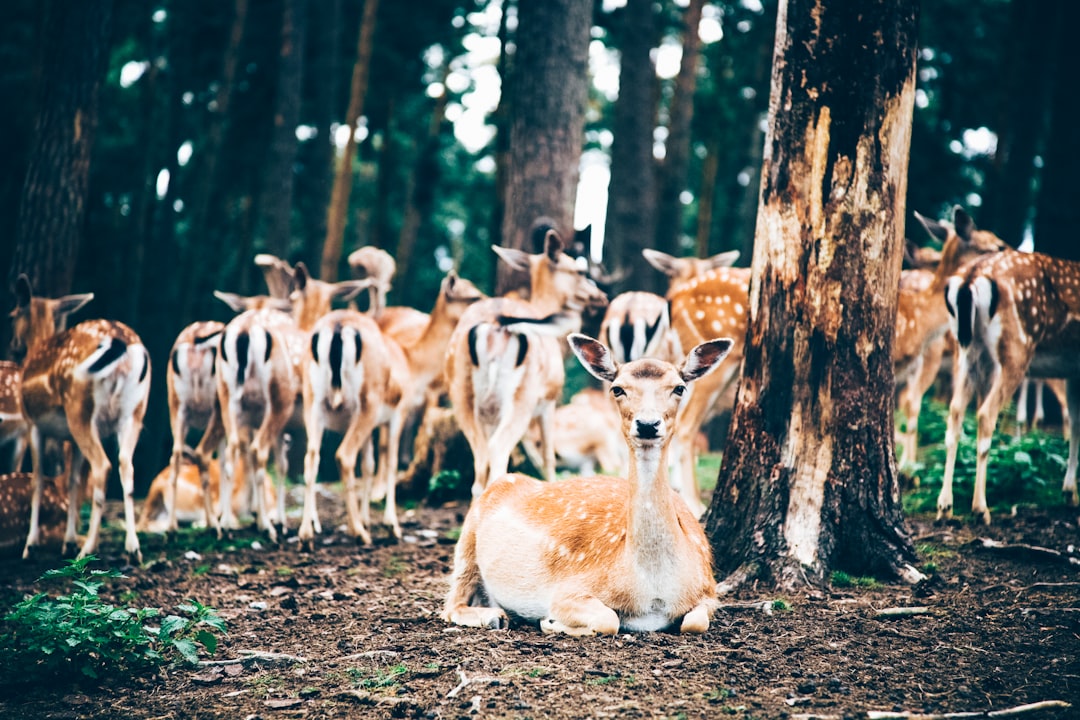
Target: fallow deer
(349,387)
(706,299)
(16,491)
(1037,386)
(922,320)
(1013,314)
(636,325)
(82,384)
(501,378)
(593,555)
(585,434)
(193,405)
(14,428)
(378,266)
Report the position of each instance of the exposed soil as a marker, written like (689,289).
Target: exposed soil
(1001,630)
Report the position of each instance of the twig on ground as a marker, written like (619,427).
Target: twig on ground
(249,657)
(1026,552)
(897,612)
(466,681)
(1006,713)
(1047,586)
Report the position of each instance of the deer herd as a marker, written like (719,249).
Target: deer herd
(585,555)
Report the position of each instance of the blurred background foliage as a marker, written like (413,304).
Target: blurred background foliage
(183,185)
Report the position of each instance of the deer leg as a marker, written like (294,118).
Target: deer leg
(388,469)
(1021,409)
(128,437)
(74,470)
(281,463)
(314,427)
(36,451)
(1072,395)
(213,437)
(357,437)
(466,584)
(1002,386)
(180,427)
(1040,411)
(580,616)
(547,440)
(963,388)
(90,444)
(697,620)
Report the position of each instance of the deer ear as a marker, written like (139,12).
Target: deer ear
(594,356)
(724,259)
(552,245)
(236,302)
(705,358)
(937,230)
(963,223)
(23,292)
(70,303)
(301,276)
(348,289)
(517,259)
(663,262)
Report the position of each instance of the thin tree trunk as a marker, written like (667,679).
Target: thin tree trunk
(547,120)
(278,188)
(339,198)
(631,217)
(53,204)
(673,171)
(500,119)
(710,168)
(809,482)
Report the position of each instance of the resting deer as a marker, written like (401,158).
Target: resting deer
(82,384)
(922,320)
(193,404)
(593,555)
(706,299)
(14,428)
(501,378)
(1013,314)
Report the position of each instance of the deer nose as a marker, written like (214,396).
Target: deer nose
(647,429)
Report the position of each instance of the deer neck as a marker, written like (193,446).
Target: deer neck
(426,354)
(653,517)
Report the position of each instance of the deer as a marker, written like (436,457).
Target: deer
(706,299)
(193,404)
(499,377)
(922,319)
(1013,314)
(595,555)
(584,433)
(378,266)
(82,384)
(16,491)
(636,325)
(14,428)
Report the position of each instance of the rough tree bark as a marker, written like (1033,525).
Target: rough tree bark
(631,216)
(339,197)
(809,480)
(53,203)
(673,171)
(277,192)
(547,120)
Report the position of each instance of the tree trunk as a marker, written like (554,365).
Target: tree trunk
(1059,199)
(710,168)
(673,171)
(277,192)
(339,198)
(53,204)
(631,217)
(500,119)
(547,120)
(809,480)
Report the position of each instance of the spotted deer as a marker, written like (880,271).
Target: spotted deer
(922,319)
(706,299)
(14,428)
(82,384)
(1013,314)
(595,555)
(636,325)
(193,405)
(16,491)
(501,378)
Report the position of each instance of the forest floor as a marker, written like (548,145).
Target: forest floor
(361,628)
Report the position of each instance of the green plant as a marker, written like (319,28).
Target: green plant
(843,579)
(395,566)
(377,679)
(781,605)
(79,635)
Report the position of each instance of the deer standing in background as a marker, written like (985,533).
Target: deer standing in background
(706,299)
(922,319)
(14,428)
(82,384)
(1013,314)
(377,266)
(593,555)
(500,378)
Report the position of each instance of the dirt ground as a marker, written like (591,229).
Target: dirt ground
(361,626)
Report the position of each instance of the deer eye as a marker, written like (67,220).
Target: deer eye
(617,391)
(679,390)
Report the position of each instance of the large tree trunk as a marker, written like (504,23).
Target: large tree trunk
(631,217)
(339,197)
(53,203)
(547,120)
(809,479)
(277,192)
(1059,197)
(673,171)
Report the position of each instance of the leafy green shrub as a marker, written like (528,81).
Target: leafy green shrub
(1024,470)
(80,635)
